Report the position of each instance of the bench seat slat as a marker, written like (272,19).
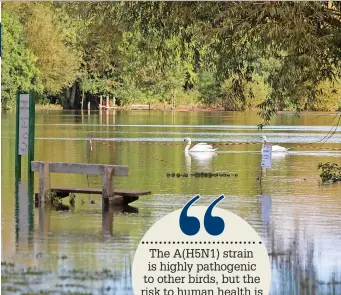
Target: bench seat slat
(76,168)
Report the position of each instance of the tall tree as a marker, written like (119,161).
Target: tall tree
(19,70)
(56,62)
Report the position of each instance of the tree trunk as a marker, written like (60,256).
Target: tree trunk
(73,95)
(66,98)
(83,96)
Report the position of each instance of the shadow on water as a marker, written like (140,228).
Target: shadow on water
(108,213)
(295,269)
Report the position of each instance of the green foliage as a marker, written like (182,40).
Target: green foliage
(330,172)
(239,55)
(328,98)
(57,64)
(208,87)
(34,54)
(19,70)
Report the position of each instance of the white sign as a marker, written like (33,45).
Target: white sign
(23,124)
(266,155)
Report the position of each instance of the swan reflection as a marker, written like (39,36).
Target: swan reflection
(200,160)
(278,156)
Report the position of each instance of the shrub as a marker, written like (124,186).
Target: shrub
(330,172)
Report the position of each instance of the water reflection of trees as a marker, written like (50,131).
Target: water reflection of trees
(296,271)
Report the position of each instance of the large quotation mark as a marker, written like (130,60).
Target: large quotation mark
(190,225)
(214,225)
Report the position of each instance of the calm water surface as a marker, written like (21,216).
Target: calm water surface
(298,218)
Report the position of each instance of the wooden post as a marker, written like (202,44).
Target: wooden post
(107,190)
(44,180)
(100,105)
(107,112)
(261,179)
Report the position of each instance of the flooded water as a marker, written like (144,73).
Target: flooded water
(53,251)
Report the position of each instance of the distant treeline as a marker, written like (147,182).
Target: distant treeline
(266,55)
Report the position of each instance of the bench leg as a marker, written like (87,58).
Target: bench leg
(44,180)
(107,190)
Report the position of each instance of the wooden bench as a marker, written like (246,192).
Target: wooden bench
(108,171)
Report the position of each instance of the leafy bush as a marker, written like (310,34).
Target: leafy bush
(330,171)
(208,88)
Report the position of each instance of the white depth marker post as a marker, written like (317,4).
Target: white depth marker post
(266,155)
(266,158)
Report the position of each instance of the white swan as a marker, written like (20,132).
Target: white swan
(200,147)
(275,148)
